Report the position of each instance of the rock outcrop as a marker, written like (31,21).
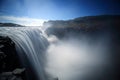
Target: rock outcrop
(10,67)
(10,25)
(89,25)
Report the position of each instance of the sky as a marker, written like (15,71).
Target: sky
(35,11)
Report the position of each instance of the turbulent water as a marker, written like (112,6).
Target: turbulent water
(30,45)
(70,59)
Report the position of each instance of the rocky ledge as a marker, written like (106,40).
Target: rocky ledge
(10,67)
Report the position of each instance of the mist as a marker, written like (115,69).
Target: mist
(77,59)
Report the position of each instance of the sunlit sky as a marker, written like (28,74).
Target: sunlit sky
(33,11)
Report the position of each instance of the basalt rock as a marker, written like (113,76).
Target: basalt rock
(9,61)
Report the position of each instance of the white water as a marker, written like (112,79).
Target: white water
(30,44)
(70,59)
(74,59)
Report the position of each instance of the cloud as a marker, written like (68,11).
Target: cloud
(22,20)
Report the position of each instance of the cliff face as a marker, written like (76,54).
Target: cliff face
(89,25)
(8,55)
(10,66)
(85,22)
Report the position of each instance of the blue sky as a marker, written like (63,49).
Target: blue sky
(57,9)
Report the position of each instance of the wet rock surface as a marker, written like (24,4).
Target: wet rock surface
(10,67)
(13,75)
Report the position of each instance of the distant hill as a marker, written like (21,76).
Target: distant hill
(89,25)
(10,25)
(87,21)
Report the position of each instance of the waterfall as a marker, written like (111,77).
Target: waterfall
(30,45)
(67,59)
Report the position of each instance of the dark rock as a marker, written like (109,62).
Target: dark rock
(9,58)
(11,66)
(13,75)
(10,25)
(89,26)
(9,61)
(18,71)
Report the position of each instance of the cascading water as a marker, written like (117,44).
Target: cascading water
(30,46)
(71,59)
